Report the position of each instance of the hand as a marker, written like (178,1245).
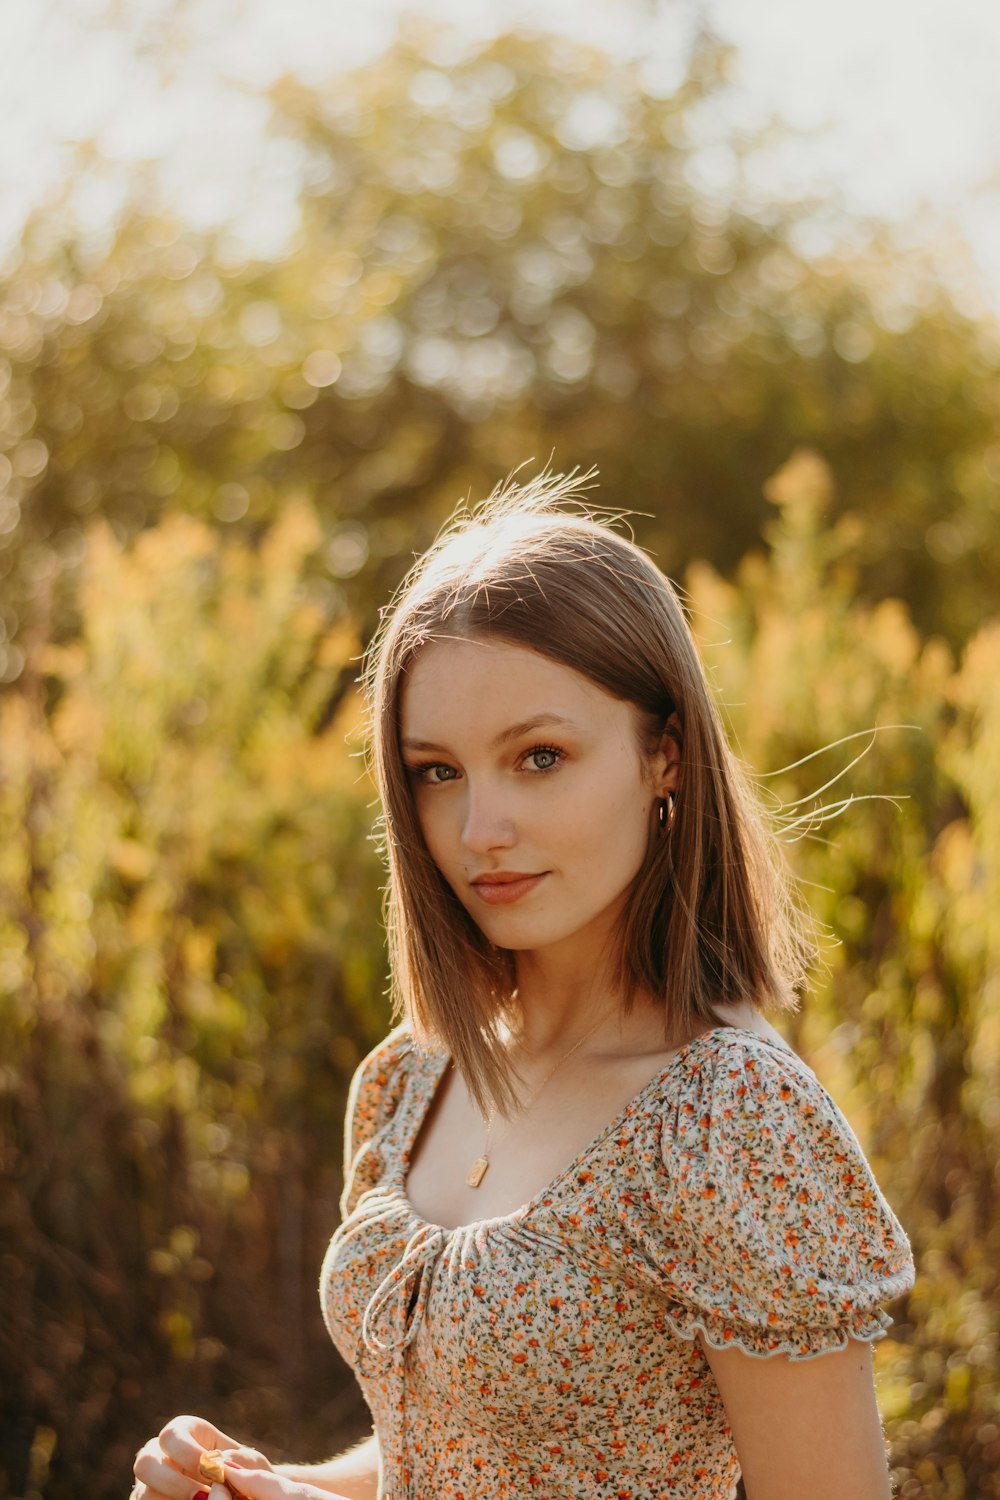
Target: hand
(257,1480)
(166,1468)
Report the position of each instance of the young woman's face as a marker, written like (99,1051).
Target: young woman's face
(533,793)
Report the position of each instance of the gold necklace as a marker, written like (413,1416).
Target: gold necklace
(478,1169)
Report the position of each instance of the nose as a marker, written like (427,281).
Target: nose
(487,824)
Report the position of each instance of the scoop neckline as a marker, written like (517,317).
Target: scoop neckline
(437,1073)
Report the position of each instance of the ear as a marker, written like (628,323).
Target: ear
(667,758)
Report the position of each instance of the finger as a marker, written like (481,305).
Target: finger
(147,1449)
(151,1469)
(185,1439)
(257,1484)
(250,1458)
(164,1483)
(157,1479)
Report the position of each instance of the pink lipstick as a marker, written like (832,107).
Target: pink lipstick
(505,886)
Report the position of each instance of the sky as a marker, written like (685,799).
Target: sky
(895,102)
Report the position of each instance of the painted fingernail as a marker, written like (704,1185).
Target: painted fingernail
(200,1495)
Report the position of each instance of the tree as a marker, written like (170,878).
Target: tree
(507,255)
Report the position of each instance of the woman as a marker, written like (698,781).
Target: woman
(603,1232)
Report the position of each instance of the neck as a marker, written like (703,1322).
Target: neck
(557,1004)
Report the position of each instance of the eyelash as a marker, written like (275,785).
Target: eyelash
(420,772)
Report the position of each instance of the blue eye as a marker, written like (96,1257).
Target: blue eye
(422,773)
(548,756)
(544,750)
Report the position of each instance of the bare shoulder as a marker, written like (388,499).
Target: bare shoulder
(745,1015)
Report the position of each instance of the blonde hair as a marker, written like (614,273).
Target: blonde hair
(711,917)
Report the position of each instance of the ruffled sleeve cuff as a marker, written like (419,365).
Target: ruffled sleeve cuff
(762,1222)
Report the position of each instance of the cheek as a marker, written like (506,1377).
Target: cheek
(434,820)
(612,827)
(426,821)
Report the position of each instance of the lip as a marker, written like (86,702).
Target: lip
(505,886)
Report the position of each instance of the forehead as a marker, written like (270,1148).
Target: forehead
(478,683)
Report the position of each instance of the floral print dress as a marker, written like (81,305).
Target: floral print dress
(552,1352)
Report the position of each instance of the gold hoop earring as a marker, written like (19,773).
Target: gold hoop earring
(666,812)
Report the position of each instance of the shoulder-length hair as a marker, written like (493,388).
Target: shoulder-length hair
(711,917)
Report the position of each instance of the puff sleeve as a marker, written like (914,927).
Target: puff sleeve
(373,1098)
(762,1221)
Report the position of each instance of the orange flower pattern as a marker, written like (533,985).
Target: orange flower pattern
(552,1352)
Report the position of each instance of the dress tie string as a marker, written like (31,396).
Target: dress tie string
(389,1324)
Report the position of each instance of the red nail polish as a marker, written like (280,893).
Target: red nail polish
(200,1495)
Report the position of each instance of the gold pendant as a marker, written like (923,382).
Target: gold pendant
(477,1171)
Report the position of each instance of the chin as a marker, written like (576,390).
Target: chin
(536,938)
(514,932)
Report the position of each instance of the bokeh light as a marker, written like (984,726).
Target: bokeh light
(279,286)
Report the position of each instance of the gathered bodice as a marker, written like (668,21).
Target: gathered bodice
(556,1350)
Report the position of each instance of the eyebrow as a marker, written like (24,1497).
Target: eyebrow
(505,736)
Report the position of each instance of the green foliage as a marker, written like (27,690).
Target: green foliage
(216,472)
(902,1023)
(190,968)
(191,961)
(515,252)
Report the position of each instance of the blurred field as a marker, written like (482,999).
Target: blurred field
(213,474)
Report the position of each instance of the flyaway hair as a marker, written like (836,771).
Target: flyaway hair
(713,916)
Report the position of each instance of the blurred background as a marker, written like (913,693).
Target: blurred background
(279,286)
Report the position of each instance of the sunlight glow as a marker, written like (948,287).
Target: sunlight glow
(896,105)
